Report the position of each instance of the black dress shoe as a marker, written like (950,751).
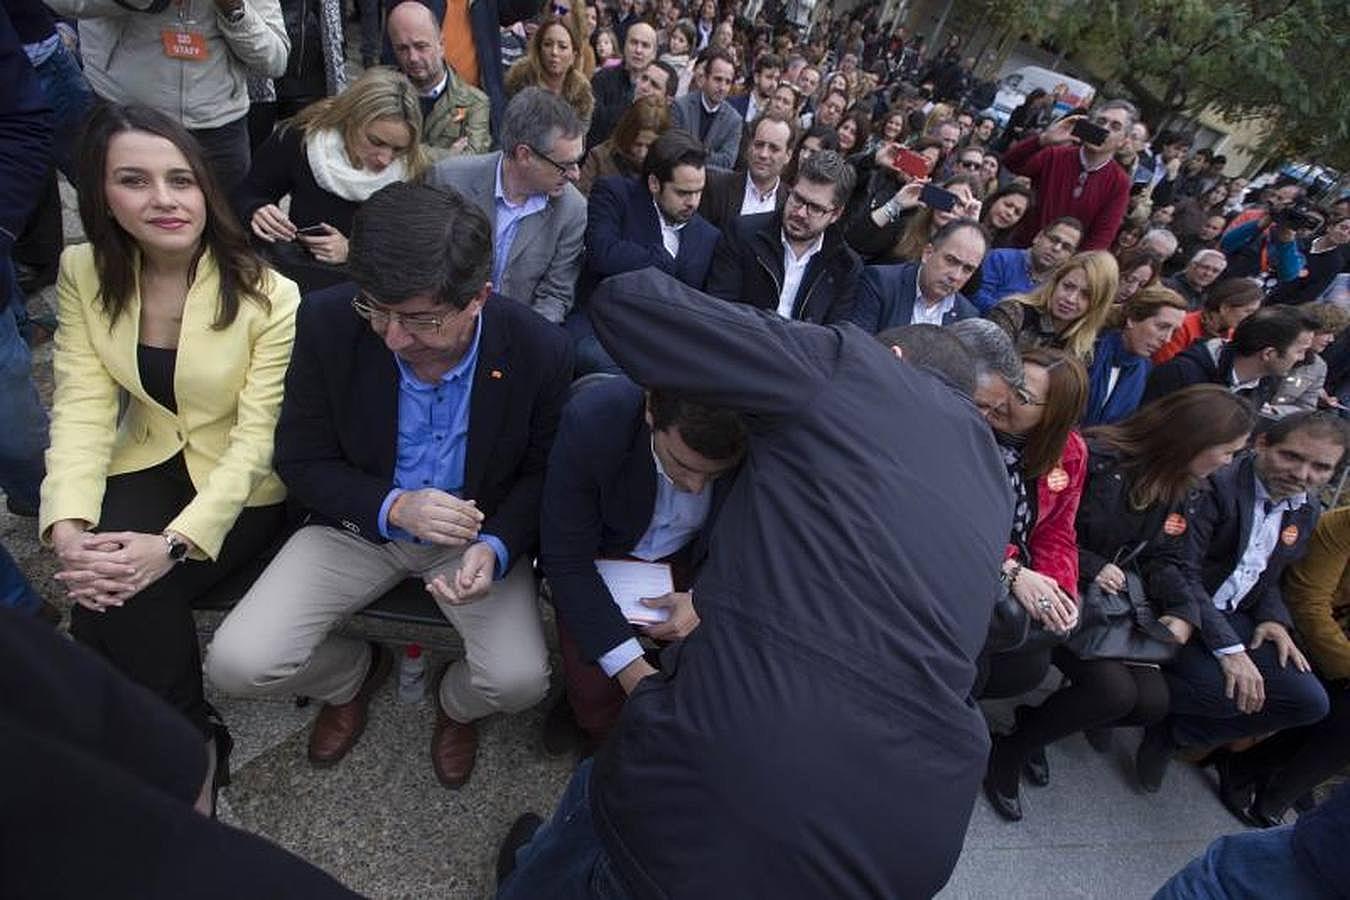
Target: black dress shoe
(1001,780)
(1037,768)
(1235,793)
(520,834)
(1155,752)
(562,734)
(1099,739)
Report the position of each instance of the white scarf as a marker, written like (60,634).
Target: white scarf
(333,169)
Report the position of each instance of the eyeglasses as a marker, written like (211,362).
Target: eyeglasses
(378,316)
(563,168)
(970,163)
(812,209)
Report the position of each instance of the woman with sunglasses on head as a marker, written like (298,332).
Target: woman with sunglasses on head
(553,62)
(1067,311)
(329,159)
(1139,474)
(170,358)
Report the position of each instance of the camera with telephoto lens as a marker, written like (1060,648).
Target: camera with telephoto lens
(1299,217)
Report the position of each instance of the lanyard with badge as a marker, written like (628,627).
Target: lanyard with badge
(185,40)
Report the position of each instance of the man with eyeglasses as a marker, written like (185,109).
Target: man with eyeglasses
(1195,280)
(1013,270)
(419,412)
(760,188)
(795,262)
(926,292)
(634,224)
(967,161)
(527,190)
(1073,178)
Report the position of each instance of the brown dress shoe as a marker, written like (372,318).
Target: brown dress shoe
(454,746)
(338,726)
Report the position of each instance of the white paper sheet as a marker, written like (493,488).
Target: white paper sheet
(629,581)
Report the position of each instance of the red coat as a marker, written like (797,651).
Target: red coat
(1054,541)
(1054,174)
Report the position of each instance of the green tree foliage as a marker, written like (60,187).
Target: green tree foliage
(1278,60)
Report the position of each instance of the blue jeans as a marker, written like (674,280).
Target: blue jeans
(1248,866)
(23,421)
(565,859)
(68,93)
(15,591)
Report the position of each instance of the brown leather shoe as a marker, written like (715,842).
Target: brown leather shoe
(338,726)
(454,746)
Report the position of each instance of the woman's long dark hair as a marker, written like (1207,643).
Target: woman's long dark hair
(1065,397)
(241,270)
(1157,443)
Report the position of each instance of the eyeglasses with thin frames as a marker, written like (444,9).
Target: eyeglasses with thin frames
(414,323)
(812,209)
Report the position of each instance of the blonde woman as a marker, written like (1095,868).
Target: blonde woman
(328,160)
(1068,310)
(553,62)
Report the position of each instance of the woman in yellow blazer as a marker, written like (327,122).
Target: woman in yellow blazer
(170,357)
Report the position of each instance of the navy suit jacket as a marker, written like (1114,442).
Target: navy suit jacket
(1218,526)
(741,103)
(886,297)
(623,234)
(337,437)
(599,496)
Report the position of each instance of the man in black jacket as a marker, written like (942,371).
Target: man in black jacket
(630,476)
(419,412)
(1265,346)
(796,261)
(613,87)
(1241,674)
(814,736)
(759,188)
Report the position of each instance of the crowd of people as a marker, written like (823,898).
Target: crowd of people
(906,408)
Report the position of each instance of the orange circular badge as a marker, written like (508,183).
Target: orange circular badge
(1057,480)
(1289,536)
(1174,525)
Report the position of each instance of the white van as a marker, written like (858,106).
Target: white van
(1014,87)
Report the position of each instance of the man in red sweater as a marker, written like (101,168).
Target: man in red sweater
(1076,179)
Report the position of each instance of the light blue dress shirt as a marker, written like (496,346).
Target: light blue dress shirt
(433,439)
(676,518)
(507,224)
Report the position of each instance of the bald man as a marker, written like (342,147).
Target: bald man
(613,87)
(455,114)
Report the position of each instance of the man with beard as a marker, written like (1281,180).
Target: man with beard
(795,261)
(634,224)
(927,291)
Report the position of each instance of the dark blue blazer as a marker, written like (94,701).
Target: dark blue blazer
(831,657)
(1218,525)
(623,234)
(25,145)
(337,437)
(740,103)
(886,297)
(599,496)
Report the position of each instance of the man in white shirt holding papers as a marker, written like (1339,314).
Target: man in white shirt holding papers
(630,477)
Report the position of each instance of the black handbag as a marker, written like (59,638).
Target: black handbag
(1122,626)
(1011,629)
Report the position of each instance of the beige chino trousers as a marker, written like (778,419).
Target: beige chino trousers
(280,640)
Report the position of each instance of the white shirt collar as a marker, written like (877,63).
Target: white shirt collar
(439,89)
(809,252)
(710,110)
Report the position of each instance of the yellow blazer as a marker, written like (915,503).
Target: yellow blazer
(228,386)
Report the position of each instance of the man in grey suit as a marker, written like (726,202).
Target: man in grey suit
(708,116)
(526,189)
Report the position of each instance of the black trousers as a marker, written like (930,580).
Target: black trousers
(152,638)
(1100,693)
(1002,675)
(227,151)
(1292,763)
